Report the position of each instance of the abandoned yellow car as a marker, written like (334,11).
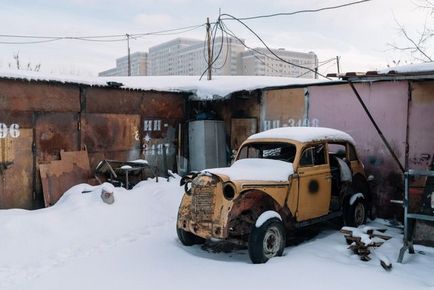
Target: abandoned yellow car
(282,179)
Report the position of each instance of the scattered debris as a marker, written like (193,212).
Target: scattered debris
(221,246)
(124,173)
(107,196)
(362,240)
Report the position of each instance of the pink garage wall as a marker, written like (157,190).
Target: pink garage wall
(338,107)
(421,125)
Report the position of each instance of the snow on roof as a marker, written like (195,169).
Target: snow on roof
(219,87)
(410,68)
(304,134)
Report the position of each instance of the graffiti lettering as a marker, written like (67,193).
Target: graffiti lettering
(305,122)
(423,159)
(13,130)
(158,149)
(152,125)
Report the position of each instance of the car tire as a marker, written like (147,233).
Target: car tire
(188,239)
(356,214)
(266,241)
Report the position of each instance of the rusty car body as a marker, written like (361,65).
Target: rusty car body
(282,179)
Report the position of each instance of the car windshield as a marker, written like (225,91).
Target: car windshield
(276,151)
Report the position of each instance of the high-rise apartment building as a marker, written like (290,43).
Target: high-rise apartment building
(184,56)
(164,58)
(193,60)
(139,65)
(261,62)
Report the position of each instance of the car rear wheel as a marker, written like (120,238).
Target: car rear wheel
(356,213)
(267,241)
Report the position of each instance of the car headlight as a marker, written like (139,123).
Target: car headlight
(229,191)
(188,187)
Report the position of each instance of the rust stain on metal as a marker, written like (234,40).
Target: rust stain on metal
(43,97)
(59,175)
(120,101)
(55,132)
(111,132)
(16,180)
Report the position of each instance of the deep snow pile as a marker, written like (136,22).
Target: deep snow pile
(83,243)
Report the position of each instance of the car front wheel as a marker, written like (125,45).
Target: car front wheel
(267,241)
(188,239)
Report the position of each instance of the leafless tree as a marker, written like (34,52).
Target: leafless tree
(418,43)
(28,66)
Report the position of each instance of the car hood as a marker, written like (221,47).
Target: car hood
(256,169)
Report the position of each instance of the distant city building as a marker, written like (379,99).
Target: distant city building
(185,56)
(261,62)
(192,60)
(139,65)
(164,58)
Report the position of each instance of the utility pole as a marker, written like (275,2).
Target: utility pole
(208,33)
(129,55)
(338,66)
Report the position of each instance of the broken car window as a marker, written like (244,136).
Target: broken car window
(277,151)
(314,155)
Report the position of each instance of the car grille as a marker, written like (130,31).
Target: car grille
(202,204)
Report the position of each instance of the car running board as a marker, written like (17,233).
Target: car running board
(318,219)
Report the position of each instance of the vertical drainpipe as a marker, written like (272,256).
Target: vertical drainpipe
(306,104)
(407,129)
(34,169)
(141,127)
(82,96)
(262,110)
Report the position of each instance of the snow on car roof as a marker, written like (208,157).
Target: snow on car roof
(304,134)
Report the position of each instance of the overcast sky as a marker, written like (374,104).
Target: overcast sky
(359,34)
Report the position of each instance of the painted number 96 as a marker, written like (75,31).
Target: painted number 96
(13,130)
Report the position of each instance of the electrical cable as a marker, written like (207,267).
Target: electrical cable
(323,63)
(301,11)
(269,49)
(97,38)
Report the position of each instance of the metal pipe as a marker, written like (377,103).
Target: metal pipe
(376,127)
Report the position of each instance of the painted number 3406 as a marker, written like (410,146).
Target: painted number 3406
(13,130)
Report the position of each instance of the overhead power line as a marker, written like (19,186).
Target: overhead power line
(269,49)
(96,38)
(301,11)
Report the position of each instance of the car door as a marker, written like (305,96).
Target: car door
(314,182)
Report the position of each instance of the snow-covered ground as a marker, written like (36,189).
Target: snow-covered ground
(83,243)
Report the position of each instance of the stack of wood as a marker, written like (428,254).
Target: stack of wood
(362,240)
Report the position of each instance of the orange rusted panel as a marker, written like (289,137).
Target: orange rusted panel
(162,105)
(111,132)
(111,136)
(33,96)
(23,119)
(55,132)
(105,100)
(148,104)
(16,180)
(59,175)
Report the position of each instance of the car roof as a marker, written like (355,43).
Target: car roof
(303,134)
